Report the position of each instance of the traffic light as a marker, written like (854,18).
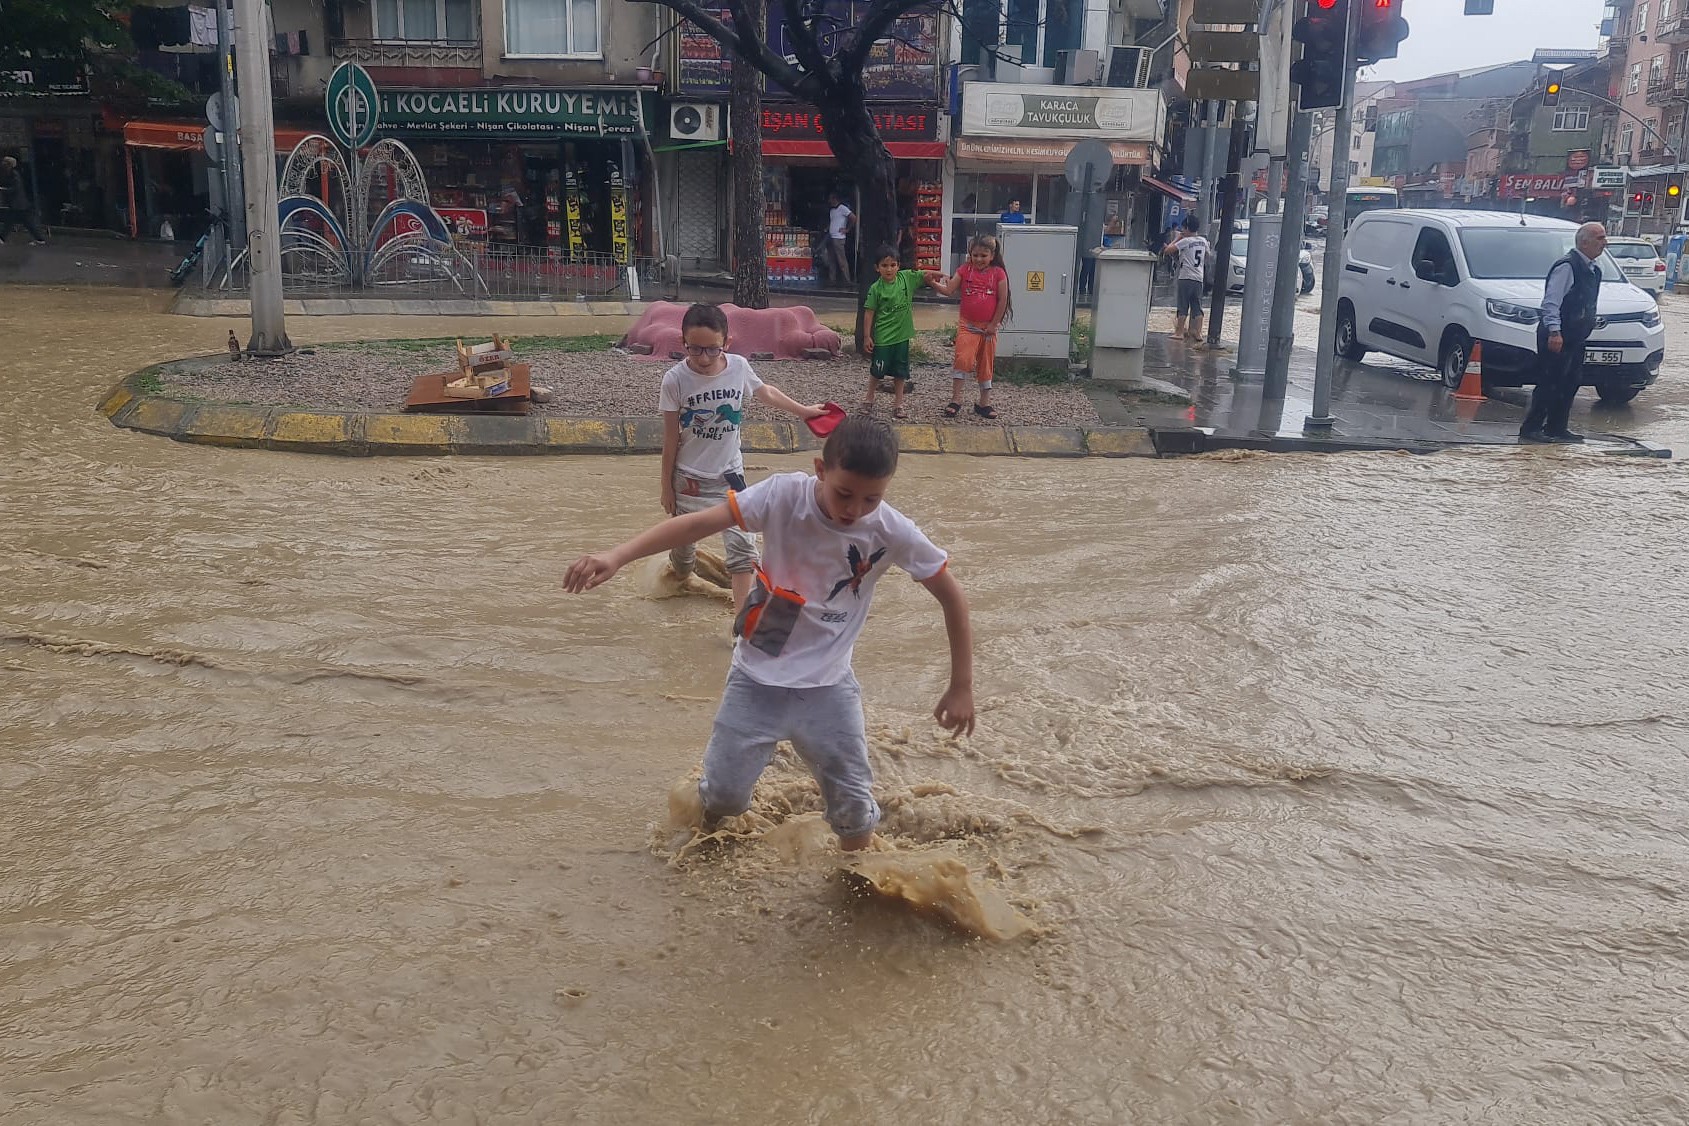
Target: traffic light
(1550,93)
(1673,191)
(1319,73)
(1642,201)
(1381,30)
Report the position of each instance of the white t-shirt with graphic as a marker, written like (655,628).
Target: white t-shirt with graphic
(833,566)
(711,408)
(1193,255)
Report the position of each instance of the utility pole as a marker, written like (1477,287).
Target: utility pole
(1228,224)
(234,197)
(1272,112)
(1281,336)
(1325,357)
(1205,195)
(258,156)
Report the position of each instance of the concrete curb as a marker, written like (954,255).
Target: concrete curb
(131,406)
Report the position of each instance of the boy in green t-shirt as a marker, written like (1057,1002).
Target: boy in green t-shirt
(890,326)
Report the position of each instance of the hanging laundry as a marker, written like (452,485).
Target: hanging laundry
(202,26)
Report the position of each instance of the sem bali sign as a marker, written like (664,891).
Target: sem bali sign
(511,113)
(991,109)
(1514,186)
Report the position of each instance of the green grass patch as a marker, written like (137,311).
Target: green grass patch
(1079,342)
(1033,373)
(148,383)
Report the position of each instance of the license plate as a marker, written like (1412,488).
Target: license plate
(1603,357)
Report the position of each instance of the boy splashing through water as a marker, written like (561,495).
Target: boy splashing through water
(703,400)
(827,540)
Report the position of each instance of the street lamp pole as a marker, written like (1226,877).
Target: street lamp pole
(258,162)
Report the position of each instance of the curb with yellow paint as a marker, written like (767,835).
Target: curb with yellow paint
(368,433)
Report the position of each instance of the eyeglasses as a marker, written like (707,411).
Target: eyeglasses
(698,352)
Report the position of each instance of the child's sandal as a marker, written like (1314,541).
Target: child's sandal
(985,412)
(900,413)
(951,410)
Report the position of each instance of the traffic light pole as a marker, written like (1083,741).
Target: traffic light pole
(1281,333)
(1325,356)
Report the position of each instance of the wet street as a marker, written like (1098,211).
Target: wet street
(1343,788)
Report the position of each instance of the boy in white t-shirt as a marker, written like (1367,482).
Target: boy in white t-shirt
(827,540)
(1193,252)
(703,400)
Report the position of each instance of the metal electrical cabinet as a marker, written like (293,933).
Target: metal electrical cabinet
(1040,261)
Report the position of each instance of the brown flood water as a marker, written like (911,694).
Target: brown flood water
(1344,790)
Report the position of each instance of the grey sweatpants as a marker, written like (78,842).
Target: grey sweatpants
(824,726)
(694,494)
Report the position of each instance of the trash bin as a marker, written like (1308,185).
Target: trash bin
(1120,317)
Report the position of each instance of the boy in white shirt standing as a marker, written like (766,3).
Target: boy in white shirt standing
(703,400)
(1193,252)
(828,539)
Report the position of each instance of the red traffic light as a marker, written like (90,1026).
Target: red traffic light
(1326,4)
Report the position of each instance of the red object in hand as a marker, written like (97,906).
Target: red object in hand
(824,424)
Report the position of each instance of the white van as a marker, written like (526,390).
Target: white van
(1422,285)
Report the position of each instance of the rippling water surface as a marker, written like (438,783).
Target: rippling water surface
(1345,790)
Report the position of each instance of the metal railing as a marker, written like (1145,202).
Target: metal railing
(414,270)
(408,52)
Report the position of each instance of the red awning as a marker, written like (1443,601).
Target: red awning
(1172,191)
(901,150)
(188,136)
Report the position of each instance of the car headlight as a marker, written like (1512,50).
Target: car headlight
(1508,311)
(1651,319)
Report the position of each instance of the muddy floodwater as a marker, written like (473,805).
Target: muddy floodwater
(1340,789)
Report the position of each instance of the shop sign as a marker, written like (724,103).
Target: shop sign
(500,114)
(47,76)
(462,222)
(992,109)
(895,123)
(351,104)
(1608,179)
(902,66)
(1577,160)
(1040,152)
(1516,185)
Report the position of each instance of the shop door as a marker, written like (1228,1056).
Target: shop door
(697,208)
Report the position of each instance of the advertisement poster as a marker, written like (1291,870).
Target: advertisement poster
(572,212)
(903,66)
(619,244)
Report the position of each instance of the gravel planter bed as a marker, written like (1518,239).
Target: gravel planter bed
(599,383)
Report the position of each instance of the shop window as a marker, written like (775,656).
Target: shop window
(1022,30)
(980,22)
(426,19)
(1063,20)
(551,28)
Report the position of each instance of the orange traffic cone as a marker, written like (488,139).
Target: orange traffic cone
(1472,383)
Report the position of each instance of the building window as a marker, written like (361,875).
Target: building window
(1656,70)
(1354,168)
(1357,144)
(1571,119)
(551,28)
(1626,136)
(426,19)
(1641,19)
(1635,78)
(1665,13)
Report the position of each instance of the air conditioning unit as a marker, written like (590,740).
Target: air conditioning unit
(1076,68)
(697,121)
(1128,66)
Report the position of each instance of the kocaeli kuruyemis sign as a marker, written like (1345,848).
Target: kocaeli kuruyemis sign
(496,114)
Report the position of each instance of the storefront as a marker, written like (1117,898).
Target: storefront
(565,171)
(1015,139)
(801,173)
(167,176)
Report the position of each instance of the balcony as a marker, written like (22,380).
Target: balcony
(1674,30)
(1665,90)
(408,52)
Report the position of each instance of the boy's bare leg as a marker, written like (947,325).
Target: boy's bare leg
(897,397)
(873,385)
(1196,327)
(1178,326)
(741,587)
(955,390)
(985,394)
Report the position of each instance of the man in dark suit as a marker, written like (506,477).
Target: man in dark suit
(1569,297)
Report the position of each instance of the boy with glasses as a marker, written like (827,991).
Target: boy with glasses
(703,401)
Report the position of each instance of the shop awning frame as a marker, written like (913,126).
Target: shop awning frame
(900,150)
(1171,191)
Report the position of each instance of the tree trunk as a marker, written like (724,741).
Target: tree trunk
(849,126)
(750,247)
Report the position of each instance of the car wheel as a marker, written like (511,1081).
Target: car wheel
(1617,396)
(1457,346)
(1347,342)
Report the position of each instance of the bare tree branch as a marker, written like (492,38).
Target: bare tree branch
(800,27)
